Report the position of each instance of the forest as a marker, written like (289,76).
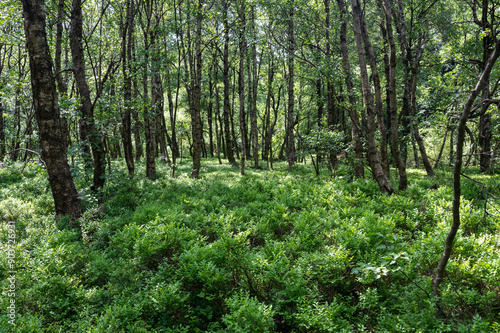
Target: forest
(249,166)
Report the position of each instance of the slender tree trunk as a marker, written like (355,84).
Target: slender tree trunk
(149,114)
(372,154)
(149,104)
(66,199)
(241,87)
(172,110)
(457,170)
(291,83)
(16,140)
(333,117)
(267,128)
(485,118)
(356,132)
(384,159)
(393,113)
(157,99)
(87,125)
(61,83)
(126,129)
(227,106)
(217,113)
(442,147)
(410,64)
(210,109)
(416,132)
(196,67)
(253,111)
(3,143)
(137,123)
(233,108)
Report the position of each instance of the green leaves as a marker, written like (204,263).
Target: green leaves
(226,253)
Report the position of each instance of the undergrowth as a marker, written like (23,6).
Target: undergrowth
(271,251)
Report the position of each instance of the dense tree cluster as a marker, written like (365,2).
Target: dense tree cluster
(254,79)
(386,83)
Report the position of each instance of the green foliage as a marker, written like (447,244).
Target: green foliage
(266,252)
(248,315)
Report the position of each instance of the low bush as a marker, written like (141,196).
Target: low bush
(271,251)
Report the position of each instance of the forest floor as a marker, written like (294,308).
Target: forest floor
(271,251)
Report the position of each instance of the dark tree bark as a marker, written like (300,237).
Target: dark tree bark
(88,130)
(149,111)
(255,80)
(438,159)
(137,124)
(172,110)
(356,132)
(210,110)
(2,134)
(410,64)
(384,159)
(217,116)
(194,91)
(61,82)
(393,113)
(2,125)
(372,154)
(457,169)
(45,100)
(157,99)
(333,117)
(16,140)
(487,23)
(270,103)
(225,73)
(291,83)
(3,143)
(241,87)
(126,128)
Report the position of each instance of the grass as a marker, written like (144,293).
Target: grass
(271,251)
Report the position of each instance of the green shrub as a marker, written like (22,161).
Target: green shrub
(247,314)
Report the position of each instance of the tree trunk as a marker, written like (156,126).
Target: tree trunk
(210,109)
(442,147)
(87,126)
(172,110)
(3,143)
(149,128)
(195,86)
(457,170)
(291,83)
(225,72)
(393,113)
(253,107)
(384,159)
(372,154)
(157,100)
(66,199)
(2,134)
(137,123)
(485,134)
(16,140)
(149,105)
(126,128)
(410,64)
(333,117)
(267,124)
(61,83)
(356,132)
(217,113)
(241,87)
